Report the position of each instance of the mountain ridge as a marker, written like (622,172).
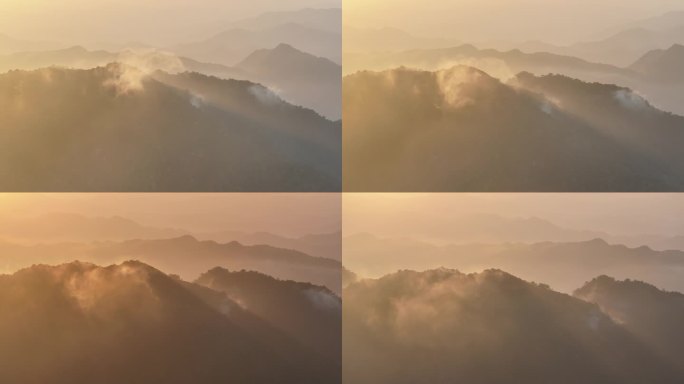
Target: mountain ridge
(476,133)
(278,146)
(137,311)
(474,326)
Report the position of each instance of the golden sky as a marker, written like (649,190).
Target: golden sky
(122,21)
(289,214)
(556,21)
(619,214)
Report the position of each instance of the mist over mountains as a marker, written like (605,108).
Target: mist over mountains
(74,228)
(625,44)
(326,19)
(304,79)
(317,32)
(310,313)
(654,76)
(662,64)
(184,256)
(651,314)
(326,245)
(132,323)
(463,130)
(298,77)
(115,128)
(562,265)
(442,325)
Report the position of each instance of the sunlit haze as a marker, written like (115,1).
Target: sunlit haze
(156,22)
(284,214)
(620,214)
(554,21)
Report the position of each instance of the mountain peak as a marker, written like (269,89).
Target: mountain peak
(275,57)
(184,239)
(597,242)
(676,48)
(662,64)
(284,47)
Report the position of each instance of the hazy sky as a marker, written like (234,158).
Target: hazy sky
(154,21)
(557,21)
(619,214)
(281,213)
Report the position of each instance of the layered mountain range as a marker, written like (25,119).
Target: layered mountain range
(75,228)
(184,256)
(654,75)
(316,31)
(562,265)
(296,76)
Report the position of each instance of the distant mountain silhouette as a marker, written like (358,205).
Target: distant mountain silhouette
(327,245)
(652,315)
(664,91)
(562,265)
(623,44)
(184,256)
(326,19)
(311,314)
(118,128)
(511,61)
(69,227)
(662,64)
(131,323)
(303,79)
(442,326)
(235,44)
(667,21)
(465,228)
(463,130)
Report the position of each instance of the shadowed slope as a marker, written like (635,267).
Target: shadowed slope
(654,316)
(312,314)
(462,130)
(131,323)
(120,129)
(442,326)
